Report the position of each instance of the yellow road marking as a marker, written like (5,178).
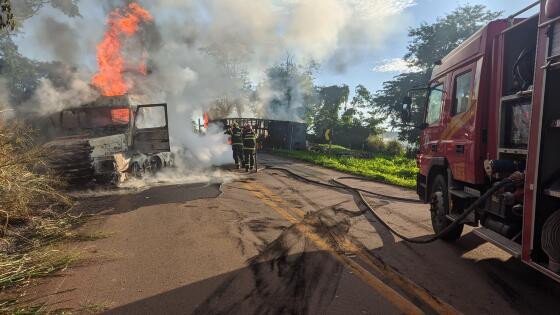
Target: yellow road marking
(387,292)
(279,199)
(435,303)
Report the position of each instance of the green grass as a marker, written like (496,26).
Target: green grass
(333,147)
(398,170)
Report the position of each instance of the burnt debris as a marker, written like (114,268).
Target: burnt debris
(272,134)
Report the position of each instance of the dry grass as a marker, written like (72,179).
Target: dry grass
(35,215)
(25,182)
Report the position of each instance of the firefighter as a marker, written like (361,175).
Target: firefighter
(236,144)
(249,147)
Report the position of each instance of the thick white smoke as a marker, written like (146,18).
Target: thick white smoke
(199,49)
(49,99)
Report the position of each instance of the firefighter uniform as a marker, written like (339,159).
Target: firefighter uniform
(249,148)
(237,145)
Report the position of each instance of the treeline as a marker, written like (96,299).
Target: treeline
(358,119)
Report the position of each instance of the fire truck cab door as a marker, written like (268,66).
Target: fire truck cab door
(151,129)
(430,139)
(458,135)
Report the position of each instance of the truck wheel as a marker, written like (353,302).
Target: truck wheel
(136,170)
(155,165)
(440,208)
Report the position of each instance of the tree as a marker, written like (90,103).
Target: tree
(25,9)
(364,100)
(431,42)
(287,92)
(237,92)
(24,74)
(428,44)
(7,20)
(331,99)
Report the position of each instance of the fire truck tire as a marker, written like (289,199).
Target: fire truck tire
(439,208)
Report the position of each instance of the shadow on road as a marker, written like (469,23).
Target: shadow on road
(115,204)
(294,284)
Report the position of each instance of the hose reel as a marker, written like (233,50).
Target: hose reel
(550,240)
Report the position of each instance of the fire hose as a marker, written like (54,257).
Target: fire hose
(513,179)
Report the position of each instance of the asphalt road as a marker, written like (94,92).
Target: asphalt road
(266,243)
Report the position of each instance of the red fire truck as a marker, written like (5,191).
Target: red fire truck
(493,109)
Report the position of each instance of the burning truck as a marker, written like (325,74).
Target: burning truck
(120,134)
(109,140)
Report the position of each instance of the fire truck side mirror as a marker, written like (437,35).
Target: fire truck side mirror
(406,110)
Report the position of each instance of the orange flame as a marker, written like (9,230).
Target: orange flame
(206,120)
(110,80)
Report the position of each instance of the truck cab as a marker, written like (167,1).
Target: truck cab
(109,139)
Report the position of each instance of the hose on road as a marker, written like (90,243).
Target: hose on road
(360,192)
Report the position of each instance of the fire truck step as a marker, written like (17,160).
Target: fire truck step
(462,194)
(506,244)
(554,190)
(469,220)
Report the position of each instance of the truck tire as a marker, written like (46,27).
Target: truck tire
(136,170)
(439,208)
(155,165)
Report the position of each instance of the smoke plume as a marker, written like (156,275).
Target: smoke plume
(201,51)
(59,38)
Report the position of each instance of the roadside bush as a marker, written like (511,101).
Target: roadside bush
(394,147)
(376,144)
(411,152)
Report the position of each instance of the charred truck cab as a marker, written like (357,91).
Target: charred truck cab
(492,110)
(109,140)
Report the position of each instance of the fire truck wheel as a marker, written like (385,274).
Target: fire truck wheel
(440,208)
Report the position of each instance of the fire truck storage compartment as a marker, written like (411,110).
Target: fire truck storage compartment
(515,125)
(520,43)
(519,51)
(503,213)
(548,185)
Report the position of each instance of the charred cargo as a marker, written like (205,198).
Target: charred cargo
(273,134)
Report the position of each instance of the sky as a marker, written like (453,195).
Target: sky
(380,65)
(376,69)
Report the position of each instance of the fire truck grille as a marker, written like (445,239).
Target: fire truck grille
(551,238)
